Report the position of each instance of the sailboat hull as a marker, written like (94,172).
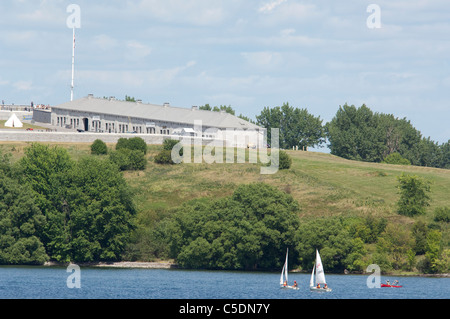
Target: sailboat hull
(320,289)
(289,287)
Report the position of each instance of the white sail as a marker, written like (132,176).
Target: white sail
(284,271)
(320,275)
(311,281)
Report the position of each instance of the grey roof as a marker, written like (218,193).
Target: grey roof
(157,113)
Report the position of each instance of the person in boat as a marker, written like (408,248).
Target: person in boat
(388,283)
(295,284)
(325,286)
(318,286)
(285,283)
(395,283)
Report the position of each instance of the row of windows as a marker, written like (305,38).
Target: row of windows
(109,127)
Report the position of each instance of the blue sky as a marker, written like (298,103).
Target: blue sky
(248,54)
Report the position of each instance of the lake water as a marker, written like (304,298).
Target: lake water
(101,283)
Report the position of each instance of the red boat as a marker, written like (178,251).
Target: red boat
(390,286)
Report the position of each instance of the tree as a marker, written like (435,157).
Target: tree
(414,196)
(445,149)
(434,261)
(400,137)
(21,221)
(87,205)
(419,232)
(100,209)
(430,153)
(45,169)
(224,108)
(360,134)
(297,126)
(353,134)
(245,231)
(395,243)
(338,249)
(246,118)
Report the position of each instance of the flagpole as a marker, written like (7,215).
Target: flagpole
(73,66)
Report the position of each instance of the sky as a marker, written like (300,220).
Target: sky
(248,54)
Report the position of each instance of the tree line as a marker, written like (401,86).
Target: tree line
(253,227)
(361,134)
(353,133)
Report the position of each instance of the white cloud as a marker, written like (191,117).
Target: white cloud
(268,7)
(125,79)
(104,42)
(263,59)
(137,50)
(195,12)
(287,32)
(23,85)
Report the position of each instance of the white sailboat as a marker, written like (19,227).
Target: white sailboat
(320,282)
(284,275)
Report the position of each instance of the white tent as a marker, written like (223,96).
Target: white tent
(13,121)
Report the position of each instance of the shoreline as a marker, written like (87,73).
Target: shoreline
(170,265)
(120,264)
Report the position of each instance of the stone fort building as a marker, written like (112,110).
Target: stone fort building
(108,115)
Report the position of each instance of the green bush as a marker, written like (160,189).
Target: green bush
(285,160)
(128,160)
(396,158)
(99,148)
(164,157)
(134,143)
(442,214)
(168,145)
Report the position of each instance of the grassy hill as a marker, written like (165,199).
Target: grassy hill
(323,184)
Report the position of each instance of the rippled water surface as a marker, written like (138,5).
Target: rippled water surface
(51,283)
